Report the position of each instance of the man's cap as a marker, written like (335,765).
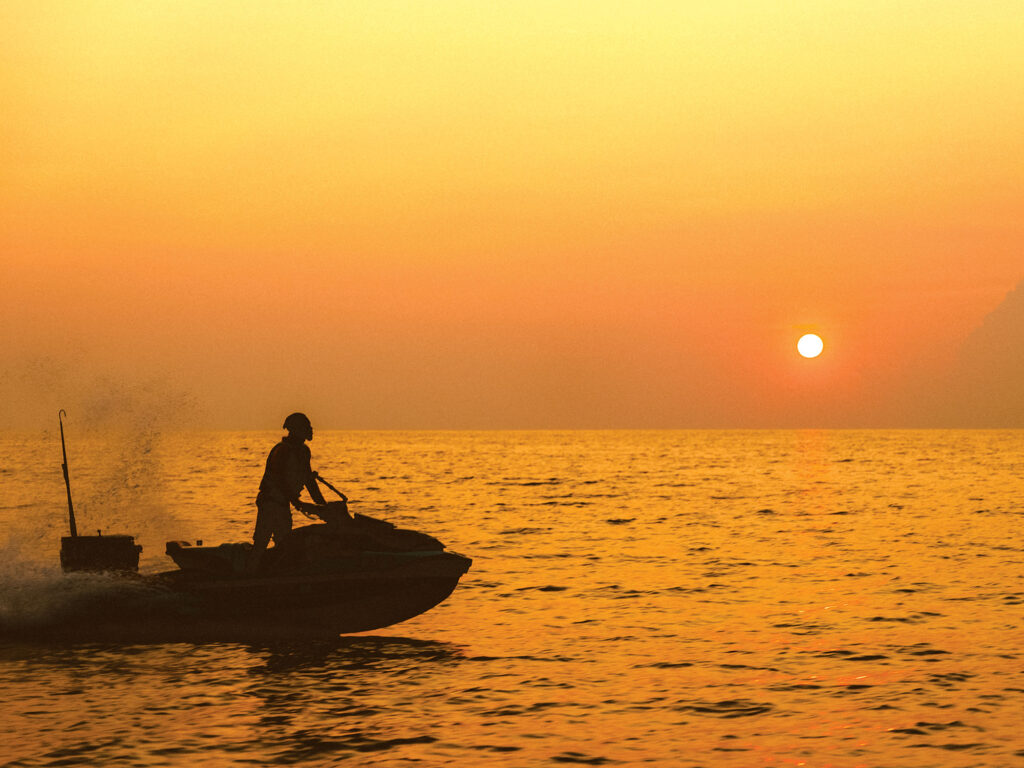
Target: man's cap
(297,421)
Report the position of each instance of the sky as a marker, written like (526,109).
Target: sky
(473,215)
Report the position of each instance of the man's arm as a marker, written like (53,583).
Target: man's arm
(310,477)
(314,489)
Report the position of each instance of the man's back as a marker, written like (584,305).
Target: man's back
(287,470)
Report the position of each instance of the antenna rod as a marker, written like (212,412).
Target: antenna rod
(67,480)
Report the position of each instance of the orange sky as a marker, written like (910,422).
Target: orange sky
(548,214)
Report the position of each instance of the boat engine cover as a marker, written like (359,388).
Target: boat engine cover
(99,553)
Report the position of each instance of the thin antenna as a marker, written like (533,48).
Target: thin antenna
(67,481)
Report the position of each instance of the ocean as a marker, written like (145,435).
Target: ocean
(657,598)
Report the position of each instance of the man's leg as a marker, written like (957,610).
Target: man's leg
(281,529)
(261,536)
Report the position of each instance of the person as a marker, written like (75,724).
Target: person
(287,472)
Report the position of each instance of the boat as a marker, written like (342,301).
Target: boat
(351,573)
(344,573)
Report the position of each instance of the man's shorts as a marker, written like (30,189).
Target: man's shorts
(273,520)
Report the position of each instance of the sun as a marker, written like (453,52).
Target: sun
(810,345)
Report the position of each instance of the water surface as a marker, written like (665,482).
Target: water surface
(849,598)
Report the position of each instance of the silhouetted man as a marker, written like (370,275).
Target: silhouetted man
(287,472)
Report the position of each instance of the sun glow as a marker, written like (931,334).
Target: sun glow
(810,345)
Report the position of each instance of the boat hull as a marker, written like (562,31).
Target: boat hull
(325,604)
(179,606)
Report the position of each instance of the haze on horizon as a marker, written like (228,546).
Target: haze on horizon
(545,215)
